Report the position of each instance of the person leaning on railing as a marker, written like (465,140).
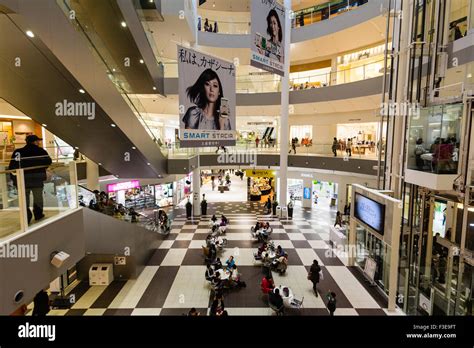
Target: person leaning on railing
(32,156)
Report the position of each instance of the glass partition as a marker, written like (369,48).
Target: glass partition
(458,13)
(434,139)
(9,208)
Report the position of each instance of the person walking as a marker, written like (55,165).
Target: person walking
(314,275)
(331,296)
(257,140)
(349,147)
(32,155)
(334,147)
(338,220)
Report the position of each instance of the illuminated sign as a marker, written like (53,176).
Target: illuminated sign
(257,173)
(307,193)
(127,185)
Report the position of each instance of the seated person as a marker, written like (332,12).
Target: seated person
(281,263)
(210,274)
(279,252)
(217,307)
(193,313)
(217,264)
(217,283)
(230,262)
(267,284)
(224,221)
(261,249)
(234,279)
(257,227)
(213,218)
(275,299)
(212,253)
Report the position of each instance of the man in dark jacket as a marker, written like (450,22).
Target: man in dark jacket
(31,155)
(41,304)
(314,275)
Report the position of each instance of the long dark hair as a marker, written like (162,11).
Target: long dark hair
(197,94)
(271,14)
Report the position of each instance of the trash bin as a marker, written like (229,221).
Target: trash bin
(278,211)
(284,212)
(333,202)
(189,210)
(101,274)
(290,213)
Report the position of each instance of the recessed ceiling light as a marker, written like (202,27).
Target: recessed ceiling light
(44,125)
(134,148)
(99,164)
(142,61)
(148,164)
(469,75)
(154,88)
(214,4)
(113,125)
(30,33)
(76,148)
(113,69)
(123,24)
(82,91)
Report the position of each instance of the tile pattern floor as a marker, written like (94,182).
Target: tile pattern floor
(173,282)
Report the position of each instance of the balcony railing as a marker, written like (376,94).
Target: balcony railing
(299,18)
(49,190)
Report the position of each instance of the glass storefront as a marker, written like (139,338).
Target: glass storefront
(324,193)
(435,138)
(458,25)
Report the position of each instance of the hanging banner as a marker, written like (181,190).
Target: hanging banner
(206,100)
(267,35)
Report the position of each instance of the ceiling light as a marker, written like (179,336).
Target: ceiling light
(123,24)
(113,125)
(113,69)
(82,91)
(469,75)
(44,125)
(154,88)
(76,148)
(134,148)
(214,4)
(142,61)
(148,164)
(30,33)
(99,164)
(151,1)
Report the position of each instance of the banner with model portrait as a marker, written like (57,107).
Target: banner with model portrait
(267,33)
(206,100)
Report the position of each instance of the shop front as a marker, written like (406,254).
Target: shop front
(183,188)
(260,185)
(132,195)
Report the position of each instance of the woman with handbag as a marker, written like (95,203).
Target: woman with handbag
(313,275)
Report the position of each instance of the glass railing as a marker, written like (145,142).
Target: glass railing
(35,194)
(58,154)
(324,11)
(366,150)
(254,84)
(299,18)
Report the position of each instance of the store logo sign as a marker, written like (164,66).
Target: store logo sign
(123,186)
(84,109)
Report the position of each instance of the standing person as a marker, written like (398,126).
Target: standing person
(338,220)
(207,26)
(257,140)
(41,304)
(268,205)
(215,28)
(32,155)
(217,307)
(314,275)
(334,147)
(349,147)
(331,296)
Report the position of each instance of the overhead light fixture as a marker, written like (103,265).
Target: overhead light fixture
(30,33)
(123,24)
(154,88)
(76,148)
(214,4)
(469,75)
(142,61)
(148,164)
(81,91)
(113,125)
(113,69)
(99,164)
(134,148)
(44,125)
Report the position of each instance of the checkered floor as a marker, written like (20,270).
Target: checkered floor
(173,282)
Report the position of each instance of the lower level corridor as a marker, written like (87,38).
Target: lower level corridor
(174,280)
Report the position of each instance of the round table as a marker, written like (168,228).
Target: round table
(286,300)
(224,275)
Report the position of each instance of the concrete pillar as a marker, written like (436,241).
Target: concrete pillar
(92,174)
(196,192)
(333,75)
(307,187)
(285,103)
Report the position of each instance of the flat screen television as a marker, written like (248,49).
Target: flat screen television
(370,212)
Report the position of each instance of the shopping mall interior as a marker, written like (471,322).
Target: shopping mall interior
(236,157)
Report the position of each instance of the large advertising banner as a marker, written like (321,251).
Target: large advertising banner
(206,100)
(267,33)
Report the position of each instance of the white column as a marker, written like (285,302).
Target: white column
(196,192)
(92,174)
(285,102)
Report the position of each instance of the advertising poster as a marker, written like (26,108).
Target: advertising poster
(206,100)
(267,33)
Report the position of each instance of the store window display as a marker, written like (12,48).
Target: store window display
(260,188)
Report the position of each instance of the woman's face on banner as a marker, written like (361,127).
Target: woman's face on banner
(212,90)
(274,27)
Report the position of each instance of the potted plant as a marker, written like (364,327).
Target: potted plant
(189,209)
(203,205)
